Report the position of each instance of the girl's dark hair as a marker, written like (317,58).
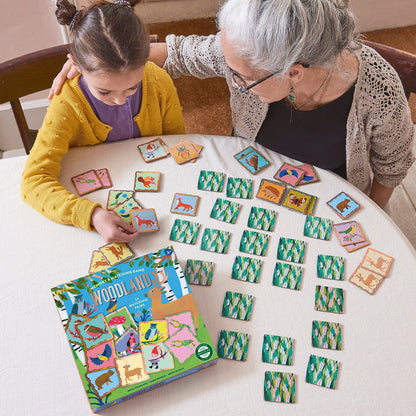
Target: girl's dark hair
(106,36)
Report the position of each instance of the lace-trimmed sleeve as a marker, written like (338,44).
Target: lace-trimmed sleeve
(199,56)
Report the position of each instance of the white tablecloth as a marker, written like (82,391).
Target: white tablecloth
(37,372)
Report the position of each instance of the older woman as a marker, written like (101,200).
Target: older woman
(301,85)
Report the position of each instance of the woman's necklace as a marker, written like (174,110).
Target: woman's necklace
(324,83)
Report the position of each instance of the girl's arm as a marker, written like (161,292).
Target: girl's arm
(42,189)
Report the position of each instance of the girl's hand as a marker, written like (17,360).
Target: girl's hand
(111,227)
(68,71)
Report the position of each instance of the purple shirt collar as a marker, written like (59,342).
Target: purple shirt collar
(119,117)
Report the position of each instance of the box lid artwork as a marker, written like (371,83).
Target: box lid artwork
(133,327)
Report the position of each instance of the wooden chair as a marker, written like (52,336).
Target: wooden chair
(26,75)
(403,62)
(29,74)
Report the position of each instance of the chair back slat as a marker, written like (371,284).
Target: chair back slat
(403,62)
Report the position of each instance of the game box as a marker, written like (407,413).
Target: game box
(133,327)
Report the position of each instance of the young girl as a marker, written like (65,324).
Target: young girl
(118,95)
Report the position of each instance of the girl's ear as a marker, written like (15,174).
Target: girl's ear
(296,73)
(74,64)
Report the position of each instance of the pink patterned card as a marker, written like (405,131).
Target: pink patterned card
(289,174)
(104,177)
(86,182)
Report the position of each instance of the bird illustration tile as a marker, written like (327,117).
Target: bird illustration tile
(261,219)
(71,329)
(153,150)
(147,181)
(326,335)
(322,371)
(310,175)
(94,331)
(182,345)
(131,369)
(216,241)
(349,233)
(103,382)
(117,197)
(233,345)
(356,246)
(344,205)
(291,250)
(179,321)
(116,252)
(246,269)
(330,267)
(239,188)
(98,262)
(277,350)
(153,331)
(279,387)
(86,182)
(252,160)
(289,174)
(199,272)
(237,305)
(211,181)
(119,320)
(100,357)
(271,191)
(253,242)
(377,262)
(157,357)
(297,201)
(184,231)
(184,204)
(288,276)
(144,220)
(329,299)
(128,343)
(123,209)
(317,227)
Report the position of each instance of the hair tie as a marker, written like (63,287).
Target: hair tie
(123,2)
(72,24)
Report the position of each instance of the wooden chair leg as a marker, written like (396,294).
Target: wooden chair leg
(19,116)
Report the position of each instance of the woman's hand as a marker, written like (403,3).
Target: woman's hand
(69,71)
(111,227)
(380,194)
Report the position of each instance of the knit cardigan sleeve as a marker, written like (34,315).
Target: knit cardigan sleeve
(62,128)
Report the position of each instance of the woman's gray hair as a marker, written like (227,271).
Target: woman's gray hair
(275,34)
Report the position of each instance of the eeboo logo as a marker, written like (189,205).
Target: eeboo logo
(204,352)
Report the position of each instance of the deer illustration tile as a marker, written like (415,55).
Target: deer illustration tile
(144,220)
(131,369)
(366,280)
(183,344)
(184,204)
(377,262)
(98,262)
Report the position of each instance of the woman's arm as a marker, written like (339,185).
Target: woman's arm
(380,194)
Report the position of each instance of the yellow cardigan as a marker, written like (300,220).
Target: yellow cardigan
(69,122)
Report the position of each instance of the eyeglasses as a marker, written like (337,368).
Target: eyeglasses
(241,84)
